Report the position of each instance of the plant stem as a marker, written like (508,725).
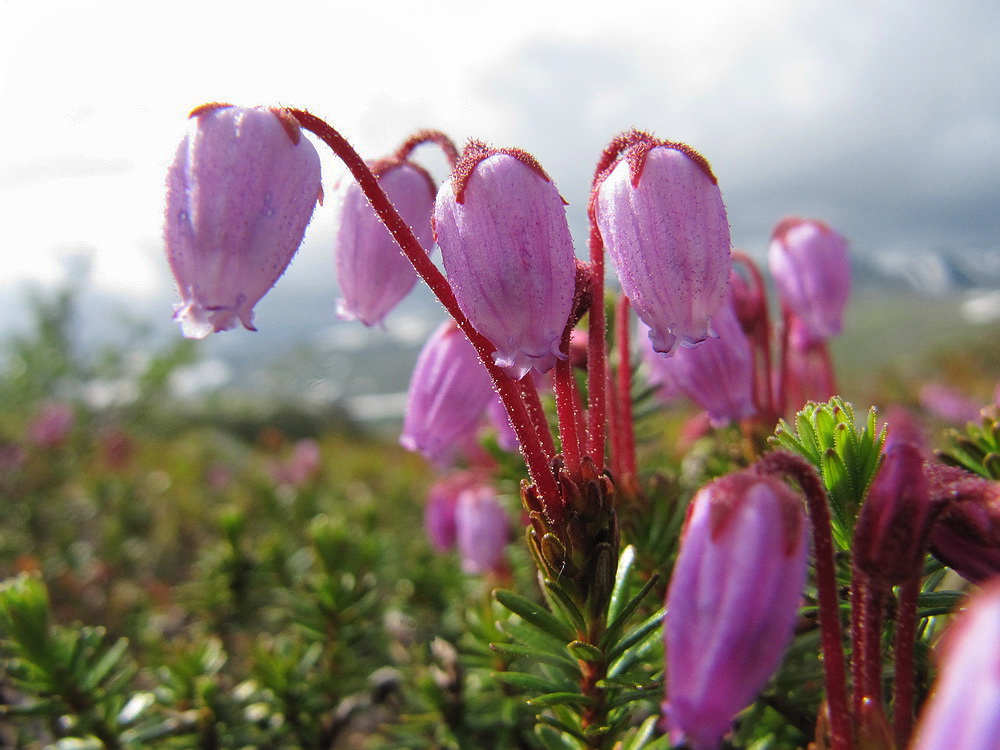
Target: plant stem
(867,606)
(429,136)
(537,462)
(568,411)
(597,376)
(625,425)
(763,380)
(906,622)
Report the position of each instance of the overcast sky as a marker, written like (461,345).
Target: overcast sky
(882,118)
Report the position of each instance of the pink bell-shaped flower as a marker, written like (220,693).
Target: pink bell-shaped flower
(732,602)
(449,392)
(240,193)
(810,266)
(439,512)
(717,374)
(482,530)
(963,711)
(501,225)
(663,222)
(373,273)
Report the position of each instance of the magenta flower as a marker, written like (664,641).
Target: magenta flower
(240,193)
(732,602)
(662,219)
(482,530)
(52,425)
(449,392)
(949,404)
(810,266)
(963,711)
(301,466)
(506,246)
(373,273)
(439,512)
(717,374)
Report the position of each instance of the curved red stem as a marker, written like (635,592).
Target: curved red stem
(535,456)
(625,426)
(906,626)
(429,136)
(597,375)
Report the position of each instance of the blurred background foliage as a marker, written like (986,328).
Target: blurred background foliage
(215,573)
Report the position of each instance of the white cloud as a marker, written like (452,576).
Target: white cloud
(874,113)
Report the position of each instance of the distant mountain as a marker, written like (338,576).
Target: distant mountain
(937,272)
(302,352)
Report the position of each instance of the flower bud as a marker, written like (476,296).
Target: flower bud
(749,304)
(810,266)
(449,392)
(663,222)
(717,374)
(966,536)
(732,603)
(482,530)
(240,193)
(963,711)
(892,528)
(373,273)
(507,250)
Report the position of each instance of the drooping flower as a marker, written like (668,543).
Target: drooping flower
(501,225)
(732,602)
(240,193)
(963,711)
(52,425)
(482,530)
(439,511)
(812,271)
(449,392)
(717,374)
(373,274)
(807,374)
(463,511)
(662,219)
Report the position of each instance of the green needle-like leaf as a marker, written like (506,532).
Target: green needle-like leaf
(618,624)
(535,614)
(647,627)
(623,576)
(559,699)
(526,682)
